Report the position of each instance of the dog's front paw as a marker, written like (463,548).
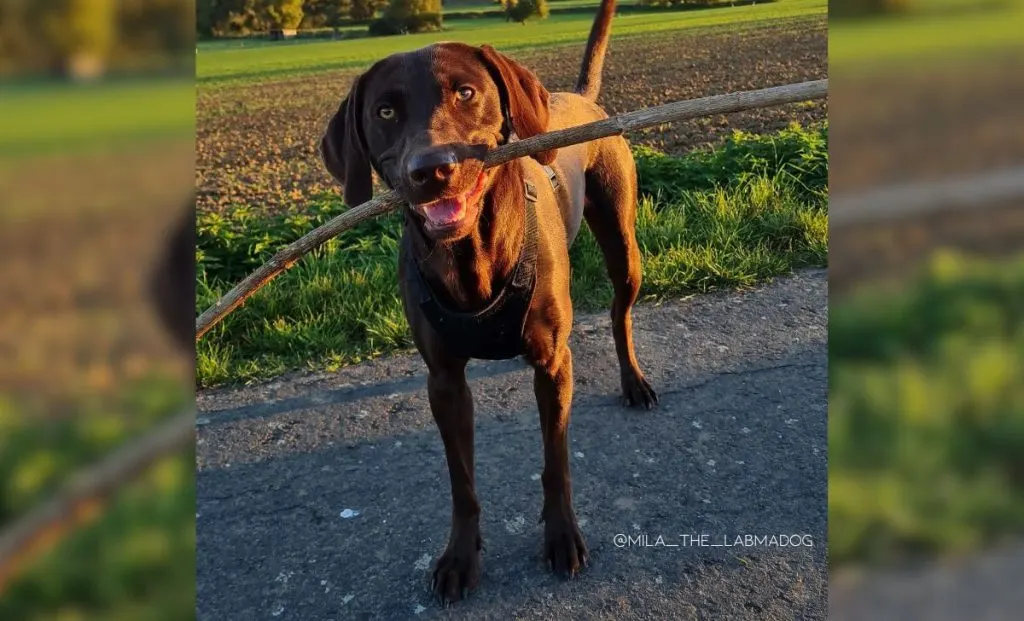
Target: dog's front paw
(564,546)
(456,572)
(636,392)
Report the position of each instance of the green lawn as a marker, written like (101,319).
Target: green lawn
(215,62)
(53,116)
(137,559)
(935,32)
(751,209)
(926,413)
(487,5)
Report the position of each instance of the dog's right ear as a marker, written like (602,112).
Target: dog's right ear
(343,149)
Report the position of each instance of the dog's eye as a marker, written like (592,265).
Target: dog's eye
(386,112)
(465,93)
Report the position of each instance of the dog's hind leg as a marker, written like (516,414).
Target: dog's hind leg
(611,215)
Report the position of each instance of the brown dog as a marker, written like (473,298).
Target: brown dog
(484,261)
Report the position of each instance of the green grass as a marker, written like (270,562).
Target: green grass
(930,32)
(137,559)
(488,6)
(926,414)
(751,209)
(215,62)
(53,116)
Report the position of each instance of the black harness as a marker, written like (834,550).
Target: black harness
(496,332)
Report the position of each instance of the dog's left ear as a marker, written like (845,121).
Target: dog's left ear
(524,99)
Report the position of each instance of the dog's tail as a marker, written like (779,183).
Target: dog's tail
(589,83)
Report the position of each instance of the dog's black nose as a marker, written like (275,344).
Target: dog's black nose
(430,171)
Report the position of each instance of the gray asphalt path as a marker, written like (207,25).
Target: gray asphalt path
(982,586)
(737,447)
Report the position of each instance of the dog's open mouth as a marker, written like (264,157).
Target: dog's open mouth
(447,212)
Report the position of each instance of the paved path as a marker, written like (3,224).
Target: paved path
(737,447)
(982,586)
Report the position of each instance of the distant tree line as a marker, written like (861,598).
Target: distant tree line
(225,18)
(698,3)
(219,18)
(86,37)
(405,16)
(522,10)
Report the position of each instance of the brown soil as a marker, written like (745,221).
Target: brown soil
(936,123)
(256,144)
(77,247)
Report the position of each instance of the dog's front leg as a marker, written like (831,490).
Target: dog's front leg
(564,547)
(458,569)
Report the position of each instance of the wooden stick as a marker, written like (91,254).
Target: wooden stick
(639,119)
(919,199)
(86,492)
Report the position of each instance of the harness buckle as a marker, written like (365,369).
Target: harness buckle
(552,177)
(531,191)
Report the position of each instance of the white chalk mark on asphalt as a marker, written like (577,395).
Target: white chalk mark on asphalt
(422,563)
(516,525)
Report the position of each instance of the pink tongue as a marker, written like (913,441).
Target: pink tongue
(444,211)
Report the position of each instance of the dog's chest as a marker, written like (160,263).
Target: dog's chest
(495,332)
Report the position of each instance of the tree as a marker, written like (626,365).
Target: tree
(329,13)
(523,10)
(284,14)
(81,33)
(405,16)
(403,9)
(227,17)
(82,38)
(206,17)
(366,9)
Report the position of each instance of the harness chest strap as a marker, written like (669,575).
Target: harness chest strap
(496,332)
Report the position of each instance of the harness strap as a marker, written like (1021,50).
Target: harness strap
(495,332)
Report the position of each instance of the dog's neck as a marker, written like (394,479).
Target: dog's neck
(468,273)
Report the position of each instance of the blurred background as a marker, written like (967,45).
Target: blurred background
(926,336)
(96,174)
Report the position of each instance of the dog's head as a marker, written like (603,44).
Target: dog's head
(424,120)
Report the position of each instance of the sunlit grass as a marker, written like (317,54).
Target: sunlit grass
(46,117)
(752,209)
(943,32)
(136,559)
(926,413)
